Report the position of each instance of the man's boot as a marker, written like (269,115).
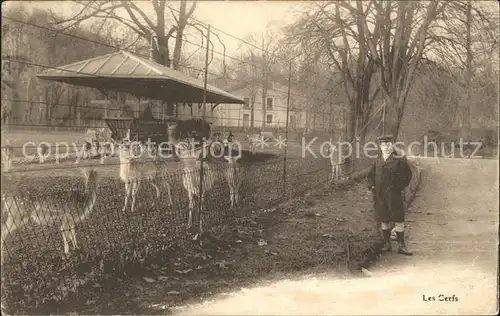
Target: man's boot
(402,245)
(386,233)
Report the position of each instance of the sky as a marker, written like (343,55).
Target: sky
(238,18)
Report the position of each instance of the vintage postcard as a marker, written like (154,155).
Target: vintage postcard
(250,157)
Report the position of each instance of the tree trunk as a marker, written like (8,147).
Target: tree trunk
(394,116)
(469,70)
(161,55)
(252,115)
(351,124)
(179,35)
(264,92)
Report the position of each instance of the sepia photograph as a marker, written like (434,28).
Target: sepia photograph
(250,157)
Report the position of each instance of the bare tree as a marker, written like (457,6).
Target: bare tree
(468,51)
(154,29)
(29,43)
(328,30)
(261,54)
(362,40)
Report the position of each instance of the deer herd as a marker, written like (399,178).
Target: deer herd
(20,210)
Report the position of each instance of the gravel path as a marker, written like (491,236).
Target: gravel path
(453,233)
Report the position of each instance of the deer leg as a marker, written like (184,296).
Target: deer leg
(191,207)
(9,227)
(135,188)
(236,195)
(231,195)
(65,239)
(169,193)
(73,237)
(157,190)
(202,202)
(127,194)
(6,230)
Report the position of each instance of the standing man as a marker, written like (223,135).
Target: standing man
(388,177)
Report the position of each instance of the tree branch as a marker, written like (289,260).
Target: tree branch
(134,18)
(144,16)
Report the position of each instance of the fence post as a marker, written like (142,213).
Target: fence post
(200,199)
(286,128)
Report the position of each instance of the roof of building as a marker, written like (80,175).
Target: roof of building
(126,72)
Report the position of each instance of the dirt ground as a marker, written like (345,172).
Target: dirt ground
(307,234)
(453,270)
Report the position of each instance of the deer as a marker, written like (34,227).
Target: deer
(192,161)
(133,172)
(87,149)
(253,139)
(7,154)
(65,212)
(336,160)
(42,151)
(233,177)
(105,149)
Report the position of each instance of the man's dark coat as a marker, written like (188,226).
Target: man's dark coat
(388,179)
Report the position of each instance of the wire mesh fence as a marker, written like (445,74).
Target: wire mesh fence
(59,231)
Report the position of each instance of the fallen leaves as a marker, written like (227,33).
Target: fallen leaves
(312,214)
(149,280)
(222,264)
(173,292)
(271,252)
(262,243)
(367,272)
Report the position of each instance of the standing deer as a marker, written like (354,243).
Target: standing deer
(192,162)
(7,154)
(132,172)
(254,140)
(42,151)
(66,212)
(336,160)
(233,177)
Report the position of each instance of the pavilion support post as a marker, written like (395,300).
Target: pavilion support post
(200,203)
(285,191)
(106,101)
(138,107)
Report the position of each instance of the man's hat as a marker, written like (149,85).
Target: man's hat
(385,138)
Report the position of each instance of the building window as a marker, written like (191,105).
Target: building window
(247,102)
(269,119)
(269,103)
(246,120)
